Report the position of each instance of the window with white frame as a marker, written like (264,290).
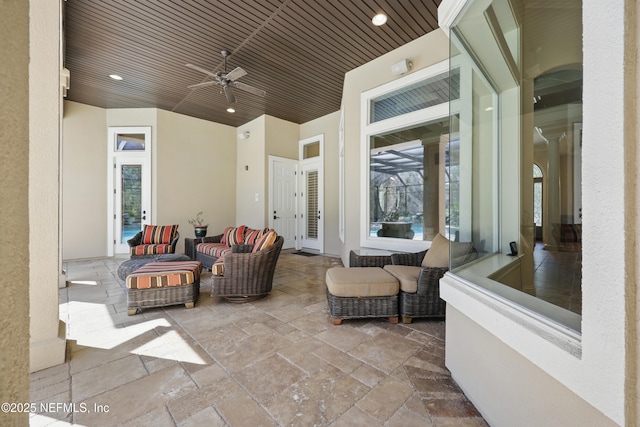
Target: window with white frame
(405,130)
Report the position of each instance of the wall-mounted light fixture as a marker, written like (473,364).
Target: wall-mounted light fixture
(244,135)
(401,67)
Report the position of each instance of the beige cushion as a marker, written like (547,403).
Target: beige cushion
(407,275)
(361,282)
(438,253)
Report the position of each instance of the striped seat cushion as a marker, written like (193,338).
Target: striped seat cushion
(154,234)
(164,274)
(217,269)
(216,250)
(150,249)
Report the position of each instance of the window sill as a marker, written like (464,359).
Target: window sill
(470,290)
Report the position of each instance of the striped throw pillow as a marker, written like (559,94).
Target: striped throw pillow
(265,241)
(154,234)
(251,236)
(225,235)
(233,235)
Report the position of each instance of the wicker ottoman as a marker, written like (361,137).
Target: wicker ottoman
(359,292)
(158,284)
(129,266)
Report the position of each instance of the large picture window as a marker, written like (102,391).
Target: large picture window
(520,107)
(405,132)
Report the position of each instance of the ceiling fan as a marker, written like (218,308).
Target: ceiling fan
(227,81)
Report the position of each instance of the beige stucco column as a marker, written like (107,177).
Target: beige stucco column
(47,344)
(552,229)
(14,246)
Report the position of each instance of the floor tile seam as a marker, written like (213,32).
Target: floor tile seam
(130,382)
(114,387)
(405,405)
(334,419)
(388,374)
(396,409)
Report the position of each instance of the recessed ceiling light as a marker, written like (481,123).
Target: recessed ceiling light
(231,110)
(379,19)
(115,77)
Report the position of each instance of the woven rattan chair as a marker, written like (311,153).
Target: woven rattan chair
(137,241)
(426,302)
(247,276)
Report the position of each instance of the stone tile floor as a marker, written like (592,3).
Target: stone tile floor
(278,361)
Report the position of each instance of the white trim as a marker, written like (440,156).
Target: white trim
(341,213)
(448,13)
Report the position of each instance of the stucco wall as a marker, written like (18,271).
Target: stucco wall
(14,246)
(190,159)
(84,174)
(195,171)
(328,126)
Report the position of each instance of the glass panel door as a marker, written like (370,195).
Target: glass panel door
(312,204)
(131,205)
(311,215)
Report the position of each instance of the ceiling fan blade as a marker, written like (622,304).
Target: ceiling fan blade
(250,89)
(202,70)
(231,97)
(202,85)
(235,74)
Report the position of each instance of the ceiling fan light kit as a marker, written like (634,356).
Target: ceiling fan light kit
(227,81)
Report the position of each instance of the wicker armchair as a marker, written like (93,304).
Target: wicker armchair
(426,301)
(247,276)
(137,249)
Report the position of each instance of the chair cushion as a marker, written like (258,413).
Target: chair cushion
(154,234)
(361,282)
(164,274)
(438,253)
(407,275)
(233,235)
(151,249)
(216,250)
(265,241)
(217,269)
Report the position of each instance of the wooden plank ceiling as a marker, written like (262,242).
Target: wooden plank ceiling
(296,50)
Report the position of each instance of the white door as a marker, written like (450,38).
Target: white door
(129,188)
(282,203)
(131,200)
(311,211)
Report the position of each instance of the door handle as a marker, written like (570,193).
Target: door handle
(276,217)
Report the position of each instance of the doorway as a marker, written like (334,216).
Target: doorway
(283,198)
(129,185)
(311,203)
